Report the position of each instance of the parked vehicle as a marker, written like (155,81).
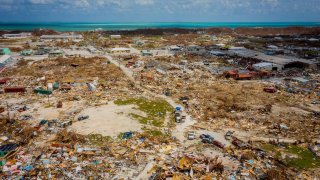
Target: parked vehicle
(177,114)
(239,143)
(191,135)
(183,117)
(206,63)
(184,100)
(65,124)
(25,117)
(228,135)
(206,138)
(315,102)
(178,119)
(179,109)
(218,144)
(81,118)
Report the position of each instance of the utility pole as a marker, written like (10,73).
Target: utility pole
(8,110)
(48,94)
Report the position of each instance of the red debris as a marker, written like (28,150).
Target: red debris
(14,89)
(270,90)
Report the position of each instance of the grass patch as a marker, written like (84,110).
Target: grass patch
(304,158)
(156,110)
(98,139)
(141,119)
(48,105)
(268,147)
(155,133)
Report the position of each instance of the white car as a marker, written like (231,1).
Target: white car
(191,135)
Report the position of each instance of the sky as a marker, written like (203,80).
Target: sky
(159,10)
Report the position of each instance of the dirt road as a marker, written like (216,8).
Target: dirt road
(181,128)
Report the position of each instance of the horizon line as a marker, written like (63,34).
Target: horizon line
(20,22)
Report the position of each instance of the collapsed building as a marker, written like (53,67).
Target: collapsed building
(279,63)
(62,37)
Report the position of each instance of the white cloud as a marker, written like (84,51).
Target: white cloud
(144,2)
(124,3)
(169,6)
(273,3)
(82,3)
(168,9)
(7,5)
(41,1)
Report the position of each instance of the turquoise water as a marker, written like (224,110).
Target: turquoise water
(132,26)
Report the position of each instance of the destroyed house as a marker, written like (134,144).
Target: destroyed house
(7,148)
(116,36)
(235,74)
(94,50)
(146,53)
(4,80)
(16,36)
(279,62)
(27,52)
(14,89)
(175,48)
(217,53)
(195,49)
(161,70)
(76,81)
(62,37)
(56,53)
(151,64)
(120,50)
(139,42)
(42,91)
(5,51)
(4,60)
(264,66)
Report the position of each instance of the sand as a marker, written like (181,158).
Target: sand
(108,120)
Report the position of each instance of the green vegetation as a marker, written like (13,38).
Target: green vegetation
(98,139)
(120,135)
(301,158)
(305,158)
(156,110)
(154,132)
(268,147)
(311,53)
(155,38)
(48,105)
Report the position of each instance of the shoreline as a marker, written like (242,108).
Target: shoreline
(250,31)
(125,26)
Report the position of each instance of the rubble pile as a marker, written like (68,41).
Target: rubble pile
(189,105)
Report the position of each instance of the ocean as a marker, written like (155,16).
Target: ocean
(133,26)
